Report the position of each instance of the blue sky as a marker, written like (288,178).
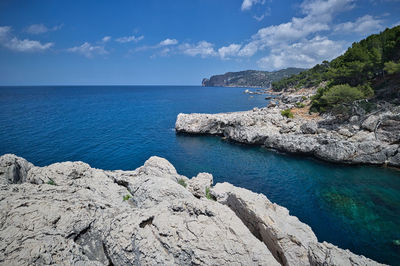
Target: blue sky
(48,42)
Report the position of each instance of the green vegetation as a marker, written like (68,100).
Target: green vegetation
(308,78)
(335,96)
(126,197)
(182,182)
(364,65)
(392,67)
(51,182)
(208,194)
(300,105)
(288,113)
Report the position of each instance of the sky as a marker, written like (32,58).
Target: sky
(176,42)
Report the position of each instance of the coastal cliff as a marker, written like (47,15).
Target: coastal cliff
(71,214)
(361,139)
(249,78)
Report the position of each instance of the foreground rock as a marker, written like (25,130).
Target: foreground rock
(373,139)
(69,213)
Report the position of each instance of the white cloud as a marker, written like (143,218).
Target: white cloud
(15,44)
(318,17)
(88,50)
(202,48)
(228,51)
(4,31)
(106,39)
(304,54)
(267,12)
(168,41)
(40,28)
(129,39)
(326,7)
(363,25)
(247,4)
(249,49)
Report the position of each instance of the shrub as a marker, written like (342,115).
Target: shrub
(392,67)
(288,113)
(342,94)
(303,98)
(208,194)
(366,89)
(337,98)
(51,182)
(126,197)
(182,182)
(300,105)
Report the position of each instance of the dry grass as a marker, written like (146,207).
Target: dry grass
(304,113)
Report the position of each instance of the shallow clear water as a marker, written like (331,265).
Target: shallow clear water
(119,127)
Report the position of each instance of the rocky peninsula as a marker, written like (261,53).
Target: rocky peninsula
(71,214)
(364,138)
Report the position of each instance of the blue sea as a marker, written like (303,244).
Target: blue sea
(120,127)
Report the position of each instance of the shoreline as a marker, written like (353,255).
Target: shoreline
(371,139)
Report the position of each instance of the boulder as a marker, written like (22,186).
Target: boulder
(309,127)
(13,169)
(199,184)
(370,123)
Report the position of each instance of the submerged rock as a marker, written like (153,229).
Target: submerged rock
(69,213)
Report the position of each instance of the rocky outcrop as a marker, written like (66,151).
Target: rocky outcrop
(289,240)
(71,214)
(372,140)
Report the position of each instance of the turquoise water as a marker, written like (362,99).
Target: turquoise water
(119,127)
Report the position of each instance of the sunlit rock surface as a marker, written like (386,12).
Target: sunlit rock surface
(71,214)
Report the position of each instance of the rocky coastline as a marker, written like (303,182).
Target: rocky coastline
(371,138)
(71,214)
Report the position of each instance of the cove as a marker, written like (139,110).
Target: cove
(119,127)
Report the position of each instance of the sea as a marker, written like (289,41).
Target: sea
(120,127)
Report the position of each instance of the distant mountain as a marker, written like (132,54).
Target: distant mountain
(249,78)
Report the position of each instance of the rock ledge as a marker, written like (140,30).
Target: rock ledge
(71,214)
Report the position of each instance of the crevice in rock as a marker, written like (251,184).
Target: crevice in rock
(256,227)
(110,263)
(376,128)
(79,234)
(122,183)
(148,221)
(56,220)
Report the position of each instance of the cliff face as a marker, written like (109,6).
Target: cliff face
(249,78)
(71,214)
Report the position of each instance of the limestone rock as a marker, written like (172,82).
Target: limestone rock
(199,184)
(328,254)
(289,240)
(328,139)
(309,127)
(88,216)
(13,169)
(370,123)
